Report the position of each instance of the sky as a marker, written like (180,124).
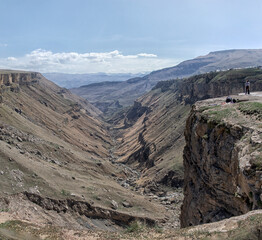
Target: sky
(122,36)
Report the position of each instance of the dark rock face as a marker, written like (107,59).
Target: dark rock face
(136,112)
(221,179)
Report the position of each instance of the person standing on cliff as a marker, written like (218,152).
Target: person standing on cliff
(247,86)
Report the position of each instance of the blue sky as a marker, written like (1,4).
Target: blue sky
(81,36)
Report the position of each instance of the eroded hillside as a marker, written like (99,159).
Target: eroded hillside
(55,160)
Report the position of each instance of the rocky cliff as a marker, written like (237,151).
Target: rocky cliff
(7,78)
(222,160)
(11,80)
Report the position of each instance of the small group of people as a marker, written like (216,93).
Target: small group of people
(247,91)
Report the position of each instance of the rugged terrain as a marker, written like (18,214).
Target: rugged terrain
(151,133)
(67,174)
(222,160)
(247,226)
(114,95)
(56,164)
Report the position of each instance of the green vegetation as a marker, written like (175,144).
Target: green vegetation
(204,108)
(140,228)
(4,210)
(256,163)
(219,114)
(251,108)
(65,192)
(16,229)
(135,227)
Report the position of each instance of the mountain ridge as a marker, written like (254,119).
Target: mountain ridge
(105,97)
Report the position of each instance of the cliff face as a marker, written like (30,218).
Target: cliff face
(8,78)
(11,80)
(222,160)
(215,84)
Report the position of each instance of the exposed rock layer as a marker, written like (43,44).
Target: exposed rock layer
(9,78)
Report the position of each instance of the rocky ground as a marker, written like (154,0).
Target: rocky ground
(170,198)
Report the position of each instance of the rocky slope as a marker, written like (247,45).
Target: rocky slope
(113,95)
(55,160)
(222,160)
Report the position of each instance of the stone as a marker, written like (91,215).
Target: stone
(114,204)
(173,200)
(126,204)
(19,139)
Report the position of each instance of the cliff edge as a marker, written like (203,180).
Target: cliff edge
(222,160)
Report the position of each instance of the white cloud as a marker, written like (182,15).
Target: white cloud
(11,59)
(147,55)
(71,62)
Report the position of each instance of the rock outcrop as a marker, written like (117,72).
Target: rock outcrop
(11,80)
(222,160)
(8,78)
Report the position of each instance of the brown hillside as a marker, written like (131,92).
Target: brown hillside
(54,153)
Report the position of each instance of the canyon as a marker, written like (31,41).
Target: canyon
(63,162)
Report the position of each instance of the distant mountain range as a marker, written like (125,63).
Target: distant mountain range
(116,94)
(76,80)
